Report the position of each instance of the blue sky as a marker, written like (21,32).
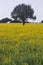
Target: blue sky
(6,7)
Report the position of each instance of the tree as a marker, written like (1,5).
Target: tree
(42,21)
(5,20)
(15,21)
(23,12)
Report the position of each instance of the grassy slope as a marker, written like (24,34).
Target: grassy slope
(18,39)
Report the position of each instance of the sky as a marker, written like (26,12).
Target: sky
(7,6)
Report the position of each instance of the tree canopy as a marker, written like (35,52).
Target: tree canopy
(42,21)
(23,12)
(5,20)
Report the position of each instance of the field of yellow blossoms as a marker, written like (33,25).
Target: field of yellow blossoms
(21,45)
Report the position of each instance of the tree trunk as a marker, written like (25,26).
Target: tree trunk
(23,21)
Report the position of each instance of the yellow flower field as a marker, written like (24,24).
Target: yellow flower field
(21,45)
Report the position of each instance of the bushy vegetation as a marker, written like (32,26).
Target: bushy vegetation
(41,21)
(21,45)
(5,20)
(23,12)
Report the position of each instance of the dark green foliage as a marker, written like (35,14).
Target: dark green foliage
(42,21)
(15,21)
(5,20)
(23,11)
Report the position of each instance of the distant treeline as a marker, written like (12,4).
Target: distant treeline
(8,20)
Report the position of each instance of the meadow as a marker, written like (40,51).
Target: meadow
(21,45)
